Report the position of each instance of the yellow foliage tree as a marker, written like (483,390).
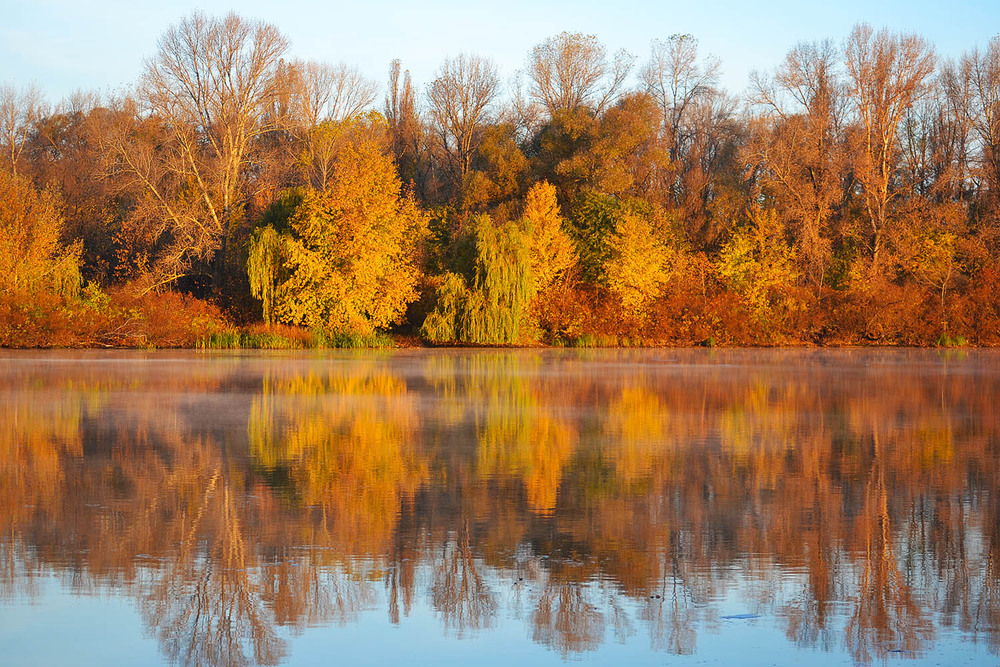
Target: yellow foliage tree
(353,253)
(759,264)
(31,257)
(638,263)
(551,248)
(933,260)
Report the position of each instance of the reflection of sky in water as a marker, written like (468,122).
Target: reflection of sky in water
(609,507)
(61,628)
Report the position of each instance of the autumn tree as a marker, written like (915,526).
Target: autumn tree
(32,258)
(617,153)
(983,68)
(209,85)
(800,148)
(638,264)
(932,257)
(710,189)
(490,306)
(550,247)
(936,139)
(678,79)
(461,98)
(316,95)
(320,91)
(266,267)
(20,110)
(64,156)
(497,304)
(621,242)
(700,134)
(572,70)
(352,249)
(759,264)
(888,73)
(407,134)
(499,171)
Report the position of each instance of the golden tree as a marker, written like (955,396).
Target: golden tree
(638,262)
(353,253)
(550,247)
(31,256)
(758,263)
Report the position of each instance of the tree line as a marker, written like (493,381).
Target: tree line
(850,196)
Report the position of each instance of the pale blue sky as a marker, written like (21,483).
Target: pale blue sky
(61,45)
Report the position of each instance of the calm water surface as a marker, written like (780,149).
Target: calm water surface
(514,507)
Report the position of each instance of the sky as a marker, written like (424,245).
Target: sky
(65,45)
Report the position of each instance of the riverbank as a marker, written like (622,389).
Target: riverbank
(168,319)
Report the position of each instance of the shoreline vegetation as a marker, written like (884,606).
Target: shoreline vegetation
(236,198)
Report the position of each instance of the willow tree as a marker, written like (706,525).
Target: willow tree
(494,308)
(265,265)
(497,305)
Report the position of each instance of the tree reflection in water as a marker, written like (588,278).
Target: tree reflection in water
(849,497)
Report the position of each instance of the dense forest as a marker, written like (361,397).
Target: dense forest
(236,197)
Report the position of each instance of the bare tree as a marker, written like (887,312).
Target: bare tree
(461,99)
(313,96)
(138,161)
(20,110)
(572,70)
(406,131)
(888,74)
(322,92)
(210,82)
(935,138)
(676,79)
(983,69)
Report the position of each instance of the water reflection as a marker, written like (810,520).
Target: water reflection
(849,498)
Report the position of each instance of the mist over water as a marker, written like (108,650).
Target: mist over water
(605,506)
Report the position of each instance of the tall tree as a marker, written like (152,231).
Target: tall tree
(314,96)
(210,85)
(64,157)
(461,97)
(406,131)
(983,69)
(352,256)
(800,148)
(572,70)
(20,110)
(888,74)
(677,79)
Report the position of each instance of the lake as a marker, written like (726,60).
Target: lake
(750,507)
